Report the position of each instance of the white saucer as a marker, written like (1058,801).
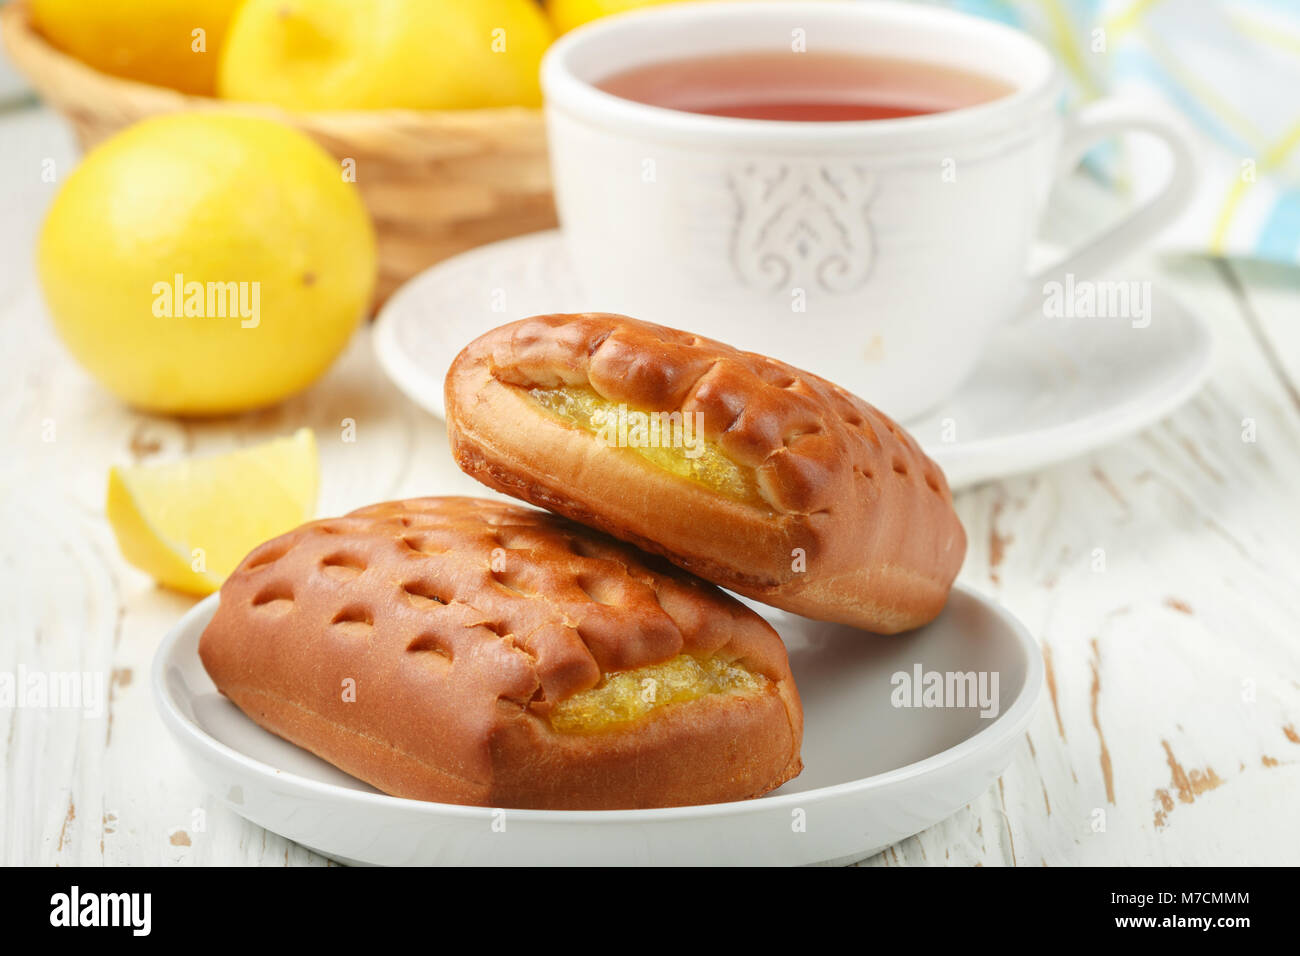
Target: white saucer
(874,773)
(1047,390)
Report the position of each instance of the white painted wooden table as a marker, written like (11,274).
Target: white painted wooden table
(1172,732)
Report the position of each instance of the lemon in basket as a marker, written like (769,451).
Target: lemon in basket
(189,523)
(174,43)
(411,54)
(203,263)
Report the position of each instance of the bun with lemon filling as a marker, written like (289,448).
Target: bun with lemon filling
(476,652)
(770,481)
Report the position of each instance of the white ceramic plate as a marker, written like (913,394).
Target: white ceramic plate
(874,773)
(1046,390)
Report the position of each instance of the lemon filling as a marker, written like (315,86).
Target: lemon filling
(669,440)
(624,696)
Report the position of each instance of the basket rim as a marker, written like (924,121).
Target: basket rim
(37,59)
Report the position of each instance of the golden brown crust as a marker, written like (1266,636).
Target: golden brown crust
(459,623)
(841,484)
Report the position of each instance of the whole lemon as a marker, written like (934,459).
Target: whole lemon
(567,14)
(172,43)
(413,54)
(201,264)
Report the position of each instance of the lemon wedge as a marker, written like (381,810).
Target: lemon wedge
(189,523)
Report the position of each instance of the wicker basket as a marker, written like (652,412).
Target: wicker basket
(436,182)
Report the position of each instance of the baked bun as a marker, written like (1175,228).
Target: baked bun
(799,494)
(476,652)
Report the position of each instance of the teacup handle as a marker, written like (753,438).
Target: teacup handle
(1093,124)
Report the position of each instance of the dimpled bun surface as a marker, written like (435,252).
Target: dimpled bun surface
(477,652)
(771,481)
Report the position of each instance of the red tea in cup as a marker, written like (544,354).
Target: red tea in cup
(803,87)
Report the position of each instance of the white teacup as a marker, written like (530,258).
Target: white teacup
(880,254)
